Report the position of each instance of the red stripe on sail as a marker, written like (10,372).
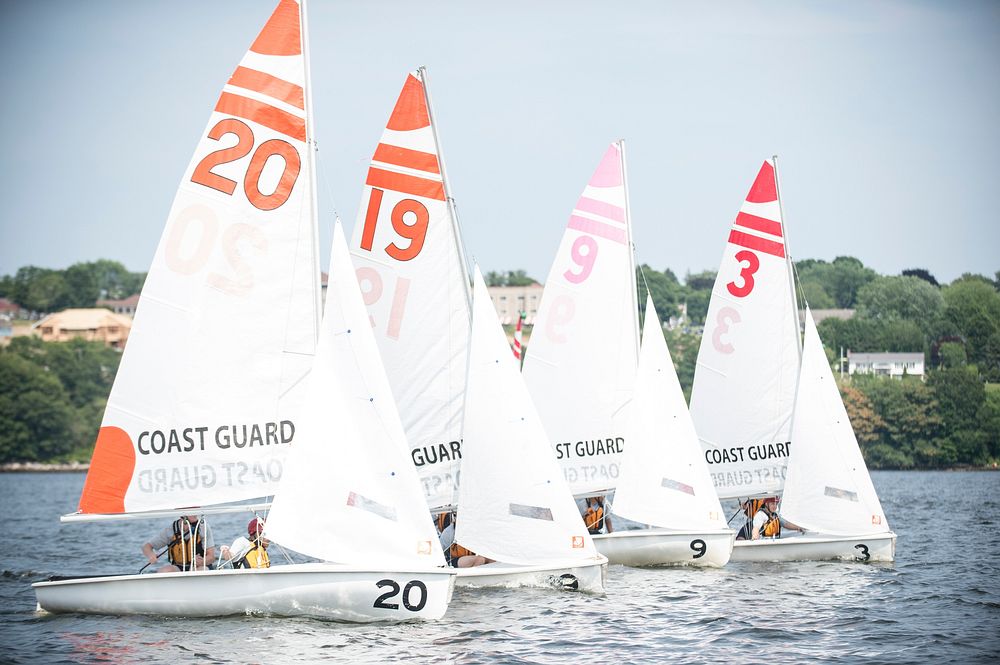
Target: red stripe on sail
(410,111)
(411,159)
(595,228)
(280,35)
(754,242)
(407,184)
(759,223)
(764,189)
(263,114)
(269,85)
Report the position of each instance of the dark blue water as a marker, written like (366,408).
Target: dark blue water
(940,601)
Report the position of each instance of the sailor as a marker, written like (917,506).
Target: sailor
(766,523)
(594,516)
(187,542)
(456,555)
(249,551)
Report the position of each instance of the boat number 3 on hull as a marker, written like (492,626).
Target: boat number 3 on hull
(864,555)
(698,545)
(393,591)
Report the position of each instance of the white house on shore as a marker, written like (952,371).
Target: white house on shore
(895,365)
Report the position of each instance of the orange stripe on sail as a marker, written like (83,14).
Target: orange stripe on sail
(410,111)
(263,114)
(754,242)
(268,85)
(411,159)
(407,184)
(110,474)
(280,35)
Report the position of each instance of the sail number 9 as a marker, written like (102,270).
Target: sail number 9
(584,259)
(698,545)
(393,590)
(409,220)
(203,174)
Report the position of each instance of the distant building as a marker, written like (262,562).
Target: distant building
(510,301)
(94,325)
(886,364)
(124,306)
(820,314)
(9,310)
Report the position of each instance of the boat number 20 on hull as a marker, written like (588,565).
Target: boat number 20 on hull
(392,587)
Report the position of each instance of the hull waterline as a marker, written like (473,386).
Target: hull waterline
(663,547)
(324,591)
(588,576)
(879,547)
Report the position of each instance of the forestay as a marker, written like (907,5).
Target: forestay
(204,404)
(415,282)
(580,364)
(744,382)
(350,492)
(664,481)
(828,488)
(514,505)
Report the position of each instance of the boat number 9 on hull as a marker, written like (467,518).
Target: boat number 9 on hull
(393,586)
(698,545)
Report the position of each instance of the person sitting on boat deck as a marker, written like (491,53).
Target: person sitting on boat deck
(249,551)
(766,522)
(456,555)
(188,543)
(595,518)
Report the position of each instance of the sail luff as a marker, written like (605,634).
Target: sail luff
(788,255)
(311,147)
(631,250)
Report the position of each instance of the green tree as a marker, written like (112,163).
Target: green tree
(973,306)
(698,293)
(920,273)
(816,295)
(666,291)
(36,418)
(913,424)
(893,298)
(961,395)
(840,279)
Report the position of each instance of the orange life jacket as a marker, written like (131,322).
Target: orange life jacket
(256,557)
(456,551)
(593,517)
(772,527)
(186,544)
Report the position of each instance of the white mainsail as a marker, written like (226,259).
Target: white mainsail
(514,505)
(664,481)
(828,488)
(581,361)
(204,405)
(744,383)
(350,493)
(411,268)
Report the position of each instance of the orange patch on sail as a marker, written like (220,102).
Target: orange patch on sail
(281,35)
(407,184)
(764,189)
(411,109)
(412,159)
(110,474)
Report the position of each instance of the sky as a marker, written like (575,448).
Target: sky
(885,117)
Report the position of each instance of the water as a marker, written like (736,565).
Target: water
(939,602)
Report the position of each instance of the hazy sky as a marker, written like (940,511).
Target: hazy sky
(885,117)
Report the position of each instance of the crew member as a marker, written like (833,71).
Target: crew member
(188,544)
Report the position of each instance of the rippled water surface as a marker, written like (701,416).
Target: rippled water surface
(938,603)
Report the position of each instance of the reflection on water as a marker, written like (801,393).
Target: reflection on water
(938,602)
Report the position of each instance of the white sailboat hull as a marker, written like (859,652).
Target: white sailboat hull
(325,591)
(818,547)
(589,576)
(663,547)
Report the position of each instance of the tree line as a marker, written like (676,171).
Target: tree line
(52,395)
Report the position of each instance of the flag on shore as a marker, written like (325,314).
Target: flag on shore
(517,335)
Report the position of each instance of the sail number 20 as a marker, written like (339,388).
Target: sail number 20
(382,602)
(203,174)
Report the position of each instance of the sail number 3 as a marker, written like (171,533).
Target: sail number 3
(727,315)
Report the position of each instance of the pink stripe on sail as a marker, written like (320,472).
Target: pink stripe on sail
(601,208)
(595,228)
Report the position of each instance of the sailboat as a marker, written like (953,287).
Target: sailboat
(514,507)
(225,371)
(410,260)
(828,490)
(664,480)
(749,380)
(581,370)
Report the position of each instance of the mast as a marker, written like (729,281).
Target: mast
(311,148)
(633,288)
(457,229)
(788,260)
